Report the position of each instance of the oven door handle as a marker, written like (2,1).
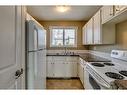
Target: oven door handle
(104,85)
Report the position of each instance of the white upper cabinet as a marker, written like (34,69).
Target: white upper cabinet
(107,13)
(84,37)
(88,32)
(119,8)
(97,28)
(100,29)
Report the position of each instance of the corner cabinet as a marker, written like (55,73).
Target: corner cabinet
(95,33)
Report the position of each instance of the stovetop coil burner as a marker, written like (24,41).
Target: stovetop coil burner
(109,64)
(98,64)
(114,75)
(123,73)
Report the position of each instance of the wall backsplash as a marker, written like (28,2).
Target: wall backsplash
(121,39)
(79,24)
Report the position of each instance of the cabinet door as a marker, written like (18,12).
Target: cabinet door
(97,28)
(84,36)
(74,69)
(107,13)
(59,69)
(81,73)
(119,8)
(89,34)
(71,69)
(68,69)
(50,69)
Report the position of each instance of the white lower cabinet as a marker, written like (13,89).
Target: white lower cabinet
(71,69)
(66,67)
(81,70)
(61,67)
(50,69)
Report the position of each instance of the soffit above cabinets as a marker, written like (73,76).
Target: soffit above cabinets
(50,13)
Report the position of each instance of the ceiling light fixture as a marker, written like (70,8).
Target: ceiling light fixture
(62,8)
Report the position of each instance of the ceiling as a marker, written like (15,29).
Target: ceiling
(50,12)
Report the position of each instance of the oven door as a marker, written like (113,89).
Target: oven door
(90,82)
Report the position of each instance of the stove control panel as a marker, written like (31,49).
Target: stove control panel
(119,54)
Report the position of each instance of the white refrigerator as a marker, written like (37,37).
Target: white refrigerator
(36,56)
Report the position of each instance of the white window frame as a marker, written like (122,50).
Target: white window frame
(63,27)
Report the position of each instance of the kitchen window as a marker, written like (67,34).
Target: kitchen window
(63,36)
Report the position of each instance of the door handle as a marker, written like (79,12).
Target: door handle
(18,73)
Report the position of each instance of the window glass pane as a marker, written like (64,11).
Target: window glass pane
(69,37)
(57,37)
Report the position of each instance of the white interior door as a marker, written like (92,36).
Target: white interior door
(10,47)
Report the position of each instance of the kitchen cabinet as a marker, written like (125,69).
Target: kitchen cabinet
(97,28)
(61,66)
(59,69)
(49,69)
(50,66)
(107,13)
(99,33)
(81,70)
(71,69)
(88,33)
(84,37)
(119,8)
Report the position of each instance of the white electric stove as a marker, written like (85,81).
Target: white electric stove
(101,75)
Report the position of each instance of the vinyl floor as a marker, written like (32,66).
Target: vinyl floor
(68,84)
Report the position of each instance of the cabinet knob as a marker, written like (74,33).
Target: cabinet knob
(117,10)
